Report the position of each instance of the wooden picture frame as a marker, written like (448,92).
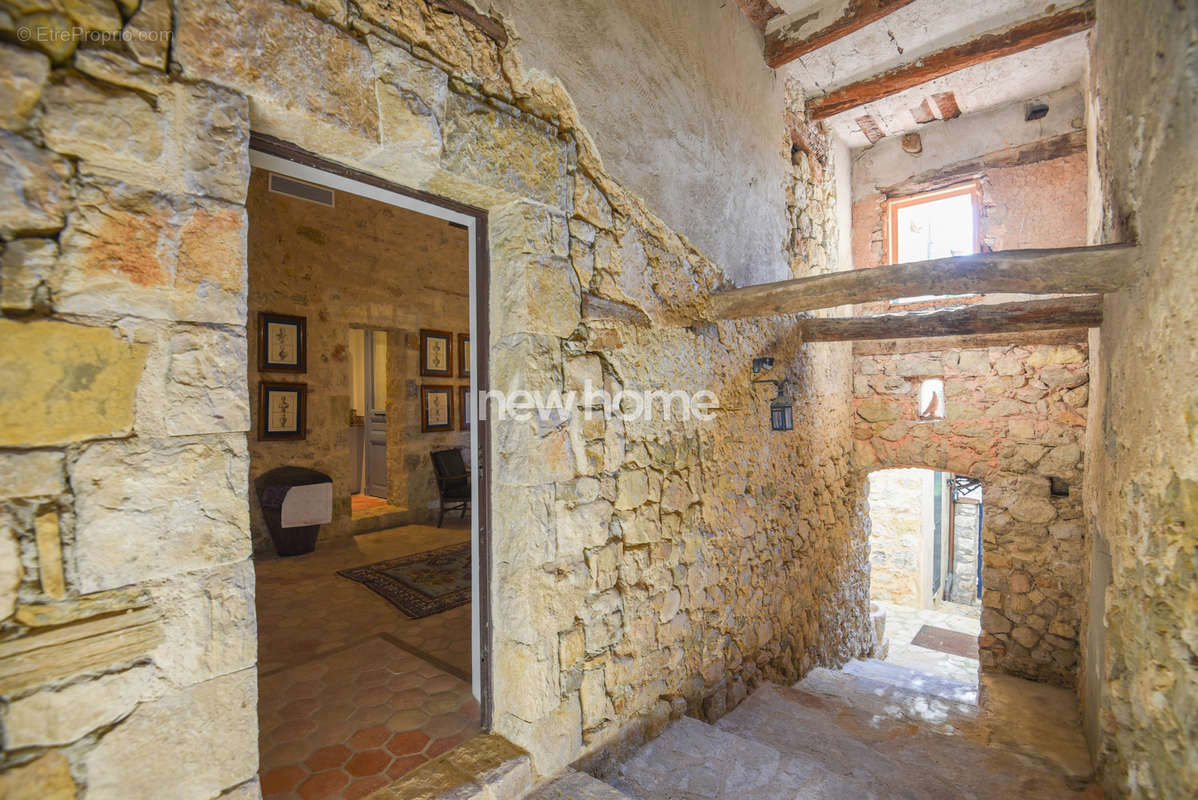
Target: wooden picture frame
(463,408)
(436,408)
(436,354)
(282,411)
(463,355)
(282,342)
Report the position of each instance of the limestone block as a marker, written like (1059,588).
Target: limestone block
(157,745)
(526,680)
(148,509)
(77,383)
(38,473)
(581,527)
(115,132)
(32,187)
(134,252)
(642,526)
(524,526)
(209,146)
(918,366)
(45,778)
(632,489)
(148,33)
(592,694)
(553,742)
(23,74)
(974,362)
(1035,510)
(49,553)
(590,204)
(60,717)
(328,97)
(411,96)
(114,68)
(876,409)
(206,384)
(37,615)
(26,274)
(209,626)
(10,567)
(515,152)
(95,15)
(524,457)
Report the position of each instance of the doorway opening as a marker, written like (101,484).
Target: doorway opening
(925,569)
(374,640)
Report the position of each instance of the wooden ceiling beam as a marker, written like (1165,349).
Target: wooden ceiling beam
(987,47)
(1065,270)
(823,25)
(1058,313)
(981,341)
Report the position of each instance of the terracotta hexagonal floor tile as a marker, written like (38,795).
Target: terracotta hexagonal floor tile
(402,766)
(364,786)
(299,708)
(283,779)
(369,738)
(328,757)
(370,762)
(323,785)
(407,743)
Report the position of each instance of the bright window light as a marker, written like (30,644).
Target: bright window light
(935,225)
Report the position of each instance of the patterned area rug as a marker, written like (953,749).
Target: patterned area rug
(422,584)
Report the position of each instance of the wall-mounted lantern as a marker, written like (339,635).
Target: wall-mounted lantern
(781,407)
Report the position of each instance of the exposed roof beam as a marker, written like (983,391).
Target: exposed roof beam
(811,30)
(759,12)
(1066,270)
(1029,315)
(991,45)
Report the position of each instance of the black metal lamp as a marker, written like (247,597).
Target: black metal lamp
(781,407)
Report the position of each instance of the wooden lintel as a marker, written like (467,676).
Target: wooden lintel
(1066,270)
(991,45)
(1058,313)
(981,341)
(811,31)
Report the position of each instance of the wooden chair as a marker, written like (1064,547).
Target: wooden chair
(453,482)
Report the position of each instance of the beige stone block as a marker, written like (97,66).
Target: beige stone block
(592,694)
(37,615)
(513,152)
(329,92)
(525,457)
(642,526)
(632,489)
(148,33)
(158,744)
(50,717)
(77,383)
(113,131)
(26,273)
(33,189)
(95,15)
(537,296)
(523,520)
(37,473)
(411,96)
(205,388)
(554,741)
(10,566)
(49,553)
(135,252)
(526,680)
(114,68)
(149,509)
(23,74)
(581,527)
(47,777)
(571,647)
(209,627)
(590,204)
(59,39)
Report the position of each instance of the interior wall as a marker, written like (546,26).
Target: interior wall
(1142,479)
(716,160)
(360,264)
(1015,417)
(896,534)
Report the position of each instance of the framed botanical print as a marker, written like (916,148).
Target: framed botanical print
(282,410)
(436,408)
(463,408)
(282,343)
(436,354)
(463,355)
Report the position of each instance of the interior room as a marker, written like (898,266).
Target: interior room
(364,633)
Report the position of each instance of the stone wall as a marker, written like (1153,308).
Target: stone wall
(639,571)
(1015,419)
(361,264)
(964,588)
(1142,465)
(895,535)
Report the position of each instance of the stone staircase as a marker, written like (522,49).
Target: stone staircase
(871,730)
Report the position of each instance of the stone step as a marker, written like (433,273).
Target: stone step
(692,760)
(890,755)
(575,785)
(914,680)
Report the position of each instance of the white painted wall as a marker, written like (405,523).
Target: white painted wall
(684,110)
